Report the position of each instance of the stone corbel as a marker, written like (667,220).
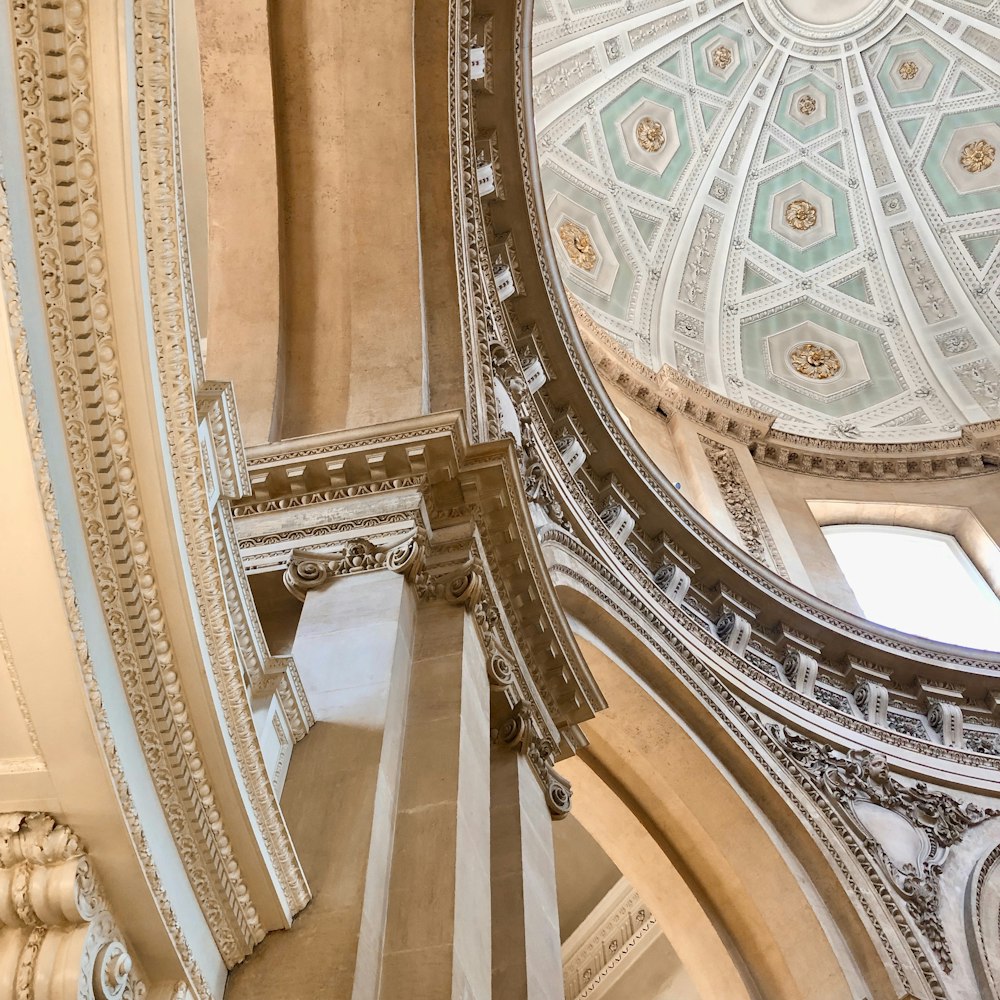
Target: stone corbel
(801,671)
(618,520)
(947,721)
(872,699)
(488,176)
(517,732)
(572,452)
(481,54)
(506,272)
(673,581)
(733,631)
(58,941)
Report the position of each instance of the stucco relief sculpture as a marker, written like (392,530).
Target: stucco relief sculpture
(650,135)
(908,70)
(57,938)
(722,57)
(978,156)
(801,214)
(815,361)
(807,104)
(908,829)
(578,245)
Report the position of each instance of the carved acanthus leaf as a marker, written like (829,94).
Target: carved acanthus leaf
(860,776)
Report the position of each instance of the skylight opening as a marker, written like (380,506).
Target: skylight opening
(917,581)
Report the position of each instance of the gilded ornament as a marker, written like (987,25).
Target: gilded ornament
(978,156)
(722,57)
(800,214)
(649,133)
(908,70)
(807,104)
(815,361)
(576,240)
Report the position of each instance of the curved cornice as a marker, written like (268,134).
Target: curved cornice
(975,452)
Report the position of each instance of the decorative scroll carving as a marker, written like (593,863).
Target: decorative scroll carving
(740,502)
(733,630)
(863,785)
(673,581)
(947,721)
(873,700)
(308,570)
(801,670)
(58,939)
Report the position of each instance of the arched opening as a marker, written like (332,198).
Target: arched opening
(917,581)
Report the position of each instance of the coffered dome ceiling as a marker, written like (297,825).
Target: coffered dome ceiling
(794,202)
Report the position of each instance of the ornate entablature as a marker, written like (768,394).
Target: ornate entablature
(420,500)
(802,651)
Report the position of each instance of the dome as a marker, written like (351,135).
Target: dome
(799,211)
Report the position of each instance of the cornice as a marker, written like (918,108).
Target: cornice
(54,63)
(102,725)
(420,478)
(180,373)
(975,452)
(664,526)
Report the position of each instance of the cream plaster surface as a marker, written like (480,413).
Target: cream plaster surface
(351,307)
(241,320)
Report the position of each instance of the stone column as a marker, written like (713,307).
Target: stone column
(353,647)
(527,963)
(437,942)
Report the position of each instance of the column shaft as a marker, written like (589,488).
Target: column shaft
(527,964)
(438,935)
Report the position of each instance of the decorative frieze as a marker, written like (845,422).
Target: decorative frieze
(605,944)
(740,502)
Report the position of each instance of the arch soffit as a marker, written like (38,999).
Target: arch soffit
(696,803)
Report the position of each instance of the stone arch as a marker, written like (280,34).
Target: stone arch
(743,890)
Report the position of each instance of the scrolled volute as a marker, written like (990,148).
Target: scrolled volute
(309,570)
(559,794)
(59,940)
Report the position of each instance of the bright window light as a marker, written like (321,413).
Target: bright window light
(917,581)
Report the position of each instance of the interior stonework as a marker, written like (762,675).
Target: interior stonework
(420,422)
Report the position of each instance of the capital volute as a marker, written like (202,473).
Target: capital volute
(309,570)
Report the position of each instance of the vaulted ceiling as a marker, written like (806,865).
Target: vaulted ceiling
(795,202)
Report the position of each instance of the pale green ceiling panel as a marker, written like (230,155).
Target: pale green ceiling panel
(660,184)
